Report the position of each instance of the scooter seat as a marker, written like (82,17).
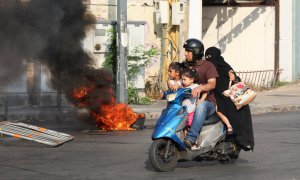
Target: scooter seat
(213,119)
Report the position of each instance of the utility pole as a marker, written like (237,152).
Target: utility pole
(122,43)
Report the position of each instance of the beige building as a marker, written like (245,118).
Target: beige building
(245,31)
(252,37)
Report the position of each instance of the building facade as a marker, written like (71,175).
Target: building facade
(249,34)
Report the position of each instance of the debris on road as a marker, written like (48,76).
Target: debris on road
(34,133)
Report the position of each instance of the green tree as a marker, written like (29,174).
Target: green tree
(110,56)
(138,58)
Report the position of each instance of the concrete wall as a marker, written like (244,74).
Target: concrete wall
(152,33)
(296,40)
(138,10)
(286,40)
(244,34)
(103,9)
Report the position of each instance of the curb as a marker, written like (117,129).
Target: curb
(254,110)
(275,108)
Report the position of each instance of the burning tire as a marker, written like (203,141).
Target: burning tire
(163,155)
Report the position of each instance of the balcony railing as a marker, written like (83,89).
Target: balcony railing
(260,79)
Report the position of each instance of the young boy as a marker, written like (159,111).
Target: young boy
(174,81)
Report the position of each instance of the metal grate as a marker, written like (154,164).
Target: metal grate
(260,79)
(34,133)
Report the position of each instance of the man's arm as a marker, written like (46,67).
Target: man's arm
(211,84)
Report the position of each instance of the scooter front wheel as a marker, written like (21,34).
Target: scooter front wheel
(163,155)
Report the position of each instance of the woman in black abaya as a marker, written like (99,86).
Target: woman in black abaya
(241,119)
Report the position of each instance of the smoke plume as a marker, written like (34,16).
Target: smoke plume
(50,32)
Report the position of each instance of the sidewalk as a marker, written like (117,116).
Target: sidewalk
(282,99)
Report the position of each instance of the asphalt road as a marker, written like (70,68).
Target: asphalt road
(124,155)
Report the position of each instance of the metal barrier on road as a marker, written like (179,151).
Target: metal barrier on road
(34,133)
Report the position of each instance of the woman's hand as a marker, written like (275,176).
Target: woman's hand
(227,93)
(231,75)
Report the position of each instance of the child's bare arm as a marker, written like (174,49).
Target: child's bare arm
(203,97)
(170,86)
(173,87)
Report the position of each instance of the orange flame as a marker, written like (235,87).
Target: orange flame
(80,92)
(113,116)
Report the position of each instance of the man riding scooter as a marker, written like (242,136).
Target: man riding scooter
(206,76)
(207,139)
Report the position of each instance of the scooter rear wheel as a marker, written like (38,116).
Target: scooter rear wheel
(162,157)
(231,159)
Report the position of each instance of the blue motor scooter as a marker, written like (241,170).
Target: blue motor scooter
(168,135)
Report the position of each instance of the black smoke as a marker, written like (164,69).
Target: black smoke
(49,32)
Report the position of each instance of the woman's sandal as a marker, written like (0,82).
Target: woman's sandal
(229,130)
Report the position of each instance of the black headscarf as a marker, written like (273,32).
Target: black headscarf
(213,55)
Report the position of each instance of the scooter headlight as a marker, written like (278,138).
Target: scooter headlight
(171,97)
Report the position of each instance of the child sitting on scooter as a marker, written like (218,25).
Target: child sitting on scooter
(188,77)
(174,82)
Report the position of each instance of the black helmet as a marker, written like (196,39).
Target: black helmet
(195,46)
